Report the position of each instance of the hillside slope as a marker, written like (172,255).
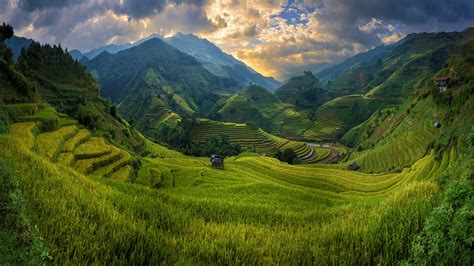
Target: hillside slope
(386,83)
(397,137)
(373,55)
(154,75)
(304,92)
(66,85)
(255,105)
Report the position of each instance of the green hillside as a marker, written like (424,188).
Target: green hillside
(66,85)
(304,92)
(255,105)
(154,83)
(339,115)
(385,83)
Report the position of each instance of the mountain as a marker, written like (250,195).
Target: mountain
(17,43)
(111,48)
(115,48)
(373,86)
(218,62)
(76,54)
(209,55)
(154,82)
(252,104)
(377,53)
(304,92)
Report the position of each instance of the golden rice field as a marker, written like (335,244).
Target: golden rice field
(178,210)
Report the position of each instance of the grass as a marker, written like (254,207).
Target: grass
(49,144)
(400,140)
(339,115)
(24,132)
(70,146)
(241,215)
(48,113)
(94,148)
(82,136)
(245,214)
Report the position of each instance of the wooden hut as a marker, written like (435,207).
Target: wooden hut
(442,83)
(353,166)
(217,161)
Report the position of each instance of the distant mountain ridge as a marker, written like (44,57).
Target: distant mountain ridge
(208,54)
(17,43)
(218,62)
(332,72)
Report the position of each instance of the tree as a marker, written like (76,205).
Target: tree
(6,32)
(287,155)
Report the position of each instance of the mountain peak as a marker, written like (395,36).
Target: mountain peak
(151,36)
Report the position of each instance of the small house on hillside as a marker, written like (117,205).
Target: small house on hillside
(442,83)
(217,161)
(353,166)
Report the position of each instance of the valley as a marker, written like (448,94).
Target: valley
(111,159)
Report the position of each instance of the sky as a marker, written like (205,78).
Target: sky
(279,38)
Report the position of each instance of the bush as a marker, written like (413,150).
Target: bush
(4,118)
(287,155)
(214,145)
(447,236)
(87,117)
(49,125)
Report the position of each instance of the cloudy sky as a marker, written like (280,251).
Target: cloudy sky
(277,38)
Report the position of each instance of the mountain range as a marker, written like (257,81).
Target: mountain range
(209,55)
(154,80)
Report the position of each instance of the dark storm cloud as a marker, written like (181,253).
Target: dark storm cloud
(409,12)
(144,8)
(139,8)
(32,5)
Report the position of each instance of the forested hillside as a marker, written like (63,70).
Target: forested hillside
(154,82)
(304,92)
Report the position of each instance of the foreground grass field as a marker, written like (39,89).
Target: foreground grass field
(258,210)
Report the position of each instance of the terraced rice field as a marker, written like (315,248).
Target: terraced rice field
(248,137)
(398,152)
(74,147)
(180,210)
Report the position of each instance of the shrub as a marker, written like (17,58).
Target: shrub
(287,155)
(49,125)
(447,236)
(4,118)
